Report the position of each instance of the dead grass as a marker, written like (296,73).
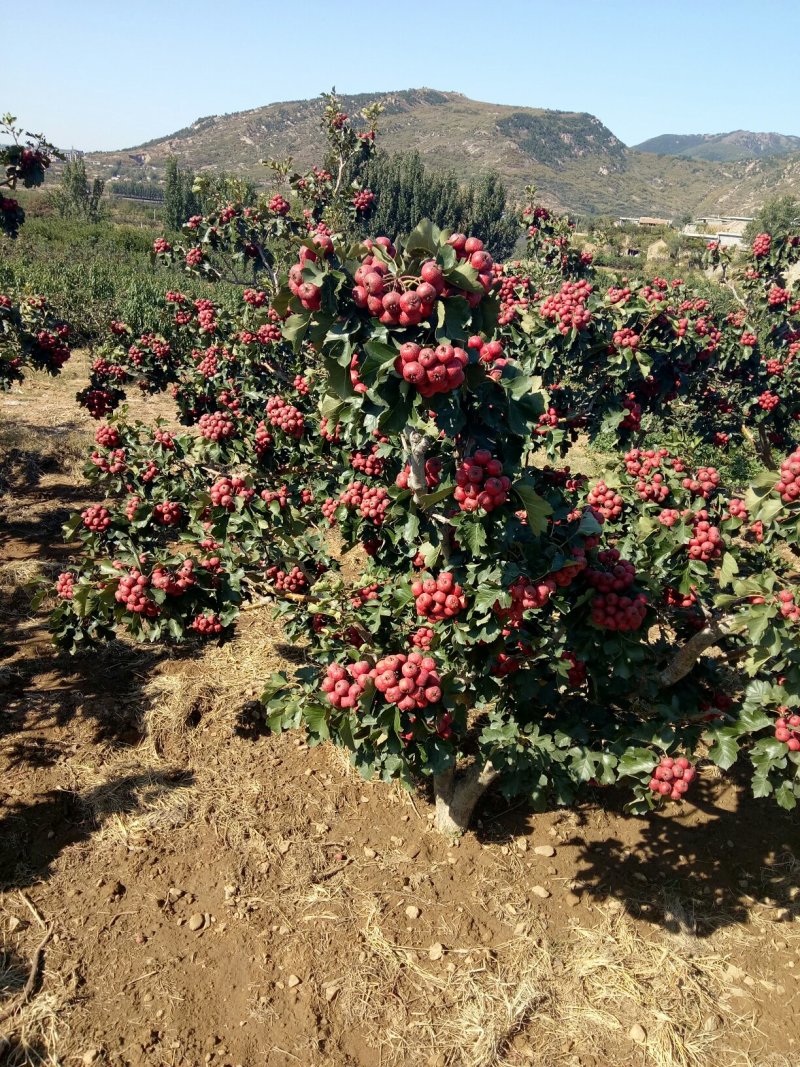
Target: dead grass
(521,1002)
(26,453)
(32,1036)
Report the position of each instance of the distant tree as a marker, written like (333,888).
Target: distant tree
(779,216)
(405,191)
(77,197)
(180,201)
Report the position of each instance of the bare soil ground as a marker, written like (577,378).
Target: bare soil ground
(217,895)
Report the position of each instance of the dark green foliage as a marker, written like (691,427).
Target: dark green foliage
(77,198)
(779,216)
(180,202)
(406,191)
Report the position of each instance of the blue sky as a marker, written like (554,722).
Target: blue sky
(110,75)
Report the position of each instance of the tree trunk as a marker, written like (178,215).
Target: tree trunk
(456,797)
(686,657)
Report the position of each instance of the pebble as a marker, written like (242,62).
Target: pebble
(436,951)
(544,850)
(710,1024)
(522,844)
(540,891)
(370,853)
(638,1034)
(412,911)
(292,981)
(572,900)
(196,921)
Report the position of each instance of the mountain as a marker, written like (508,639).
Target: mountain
(575,161)
(722,147)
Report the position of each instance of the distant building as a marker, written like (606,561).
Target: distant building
(642,220)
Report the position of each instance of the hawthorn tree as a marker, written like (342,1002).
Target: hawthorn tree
(408,401)
(24,158)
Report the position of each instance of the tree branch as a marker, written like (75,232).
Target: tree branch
(686,657)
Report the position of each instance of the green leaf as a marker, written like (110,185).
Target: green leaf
(728,570)
(473,536)
(430,499)
(725,750)
(380,359)
(425,237)
(316,718)
(536,507)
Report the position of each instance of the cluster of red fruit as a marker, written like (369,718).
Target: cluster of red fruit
(98,402)
(280,496)
(65,585)
(114,463)
(51,347)
(293,581)
(207,624)
(610,611)
(363,200)
(576,675)
(616,573)
(656,490)
(788,606)
(344,685)
(768,401)
(761,245)
(633,419)
(131,591)
(433,470)
(194,257)
(216,426)
(263,440)
(568,306)
(669,517)
(672,777)
(432,371)
(168,513)
(787,729)
(285,417)
(511,287)
(369,463)
(480,482)
(626,338)
(738,510)
(704,483)
(328,434)
(409,681)
(164,438)
(96,518)
(423,637)
(607,501)
(788,484)
(706,541)
(439,598)
(372,503)
(526,595)
(174,584)
(255,297)
(224,492)
(161,247)
(301,384)
(278,205)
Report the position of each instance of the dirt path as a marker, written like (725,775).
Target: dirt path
(219,895)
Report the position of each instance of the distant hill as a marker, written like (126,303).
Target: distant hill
(722,147)
(575,161)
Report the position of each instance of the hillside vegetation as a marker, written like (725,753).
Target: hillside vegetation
(577,163)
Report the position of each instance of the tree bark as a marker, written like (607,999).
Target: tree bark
(415,445)
(456,797)
(686,657)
